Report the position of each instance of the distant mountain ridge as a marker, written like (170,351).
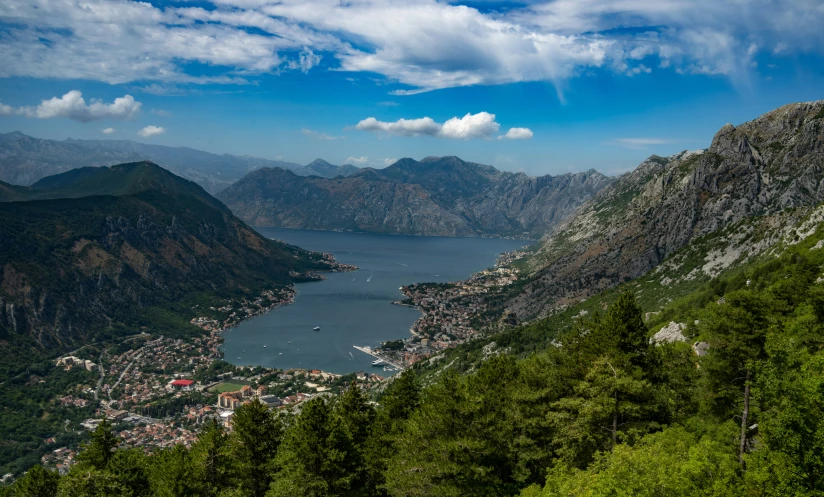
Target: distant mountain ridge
(96,251)
(24,160)
(772,163)
(434,196)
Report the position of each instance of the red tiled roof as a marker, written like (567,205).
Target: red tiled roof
(182,383)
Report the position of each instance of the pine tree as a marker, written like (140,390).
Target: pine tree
(254,444)
(172,473)
(737,332)
(402,396)
(37,482)
(608,405)
(316,457)
(623,325)
(100,449)
(130,467)
(211,460)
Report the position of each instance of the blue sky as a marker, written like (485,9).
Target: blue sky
(540,87)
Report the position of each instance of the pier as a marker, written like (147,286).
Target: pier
(368,350)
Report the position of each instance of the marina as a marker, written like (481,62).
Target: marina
(379,361)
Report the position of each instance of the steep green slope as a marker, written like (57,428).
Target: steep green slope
(135,253)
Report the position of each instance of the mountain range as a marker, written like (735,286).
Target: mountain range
(764,167)
(443,196)
(96,251)
(24,160)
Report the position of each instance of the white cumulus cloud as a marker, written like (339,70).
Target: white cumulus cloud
(107,131)
(517,134)
(401,127)
(73,106)
(150,131)
(6,110)
(357,160)
(480,125)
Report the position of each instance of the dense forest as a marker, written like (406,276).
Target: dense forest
(601,411)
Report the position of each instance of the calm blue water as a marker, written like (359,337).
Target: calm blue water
(354,308)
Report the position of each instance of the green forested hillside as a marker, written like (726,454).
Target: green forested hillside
(97,254)
(601,412)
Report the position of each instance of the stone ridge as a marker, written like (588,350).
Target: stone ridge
(761,167)
(436,196)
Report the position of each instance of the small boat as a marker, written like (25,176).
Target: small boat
(316,328)
(388,368)
(377,362)
(264,346)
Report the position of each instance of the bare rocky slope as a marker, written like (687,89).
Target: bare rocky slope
(435,196)
(762,167)
(25,160)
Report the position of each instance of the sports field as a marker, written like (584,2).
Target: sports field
(228,386)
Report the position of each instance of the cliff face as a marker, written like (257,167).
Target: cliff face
(131,255)
(761,167)
(436,196)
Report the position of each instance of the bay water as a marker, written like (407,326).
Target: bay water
(354,308)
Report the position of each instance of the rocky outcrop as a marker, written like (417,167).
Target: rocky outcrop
(435,196)
(772,163)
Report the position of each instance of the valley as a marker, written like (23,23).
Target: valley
(669,246)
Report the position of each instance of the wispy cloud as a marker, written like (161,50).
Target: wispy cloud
(150,131)
(318,135)
(425,45)
(107,131)
(639,143)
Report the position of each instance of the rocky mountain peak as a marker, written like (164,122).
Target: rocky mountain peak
(771,163)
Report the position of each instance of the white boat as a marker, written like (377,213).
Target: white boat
(316,328)
(264,346)
(378,362)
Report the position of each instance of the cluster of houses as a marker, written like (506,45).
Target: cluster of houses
(68,362)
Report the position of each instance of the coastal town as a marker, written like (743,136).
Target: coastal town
(453,313)
(157,391)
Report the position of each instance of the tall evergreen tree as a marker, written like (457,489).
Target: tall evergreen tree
(316,458)
(130,467)
(172,473)
(737,330)
(211,460)
(37,482)
(253,446)
(100,449)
